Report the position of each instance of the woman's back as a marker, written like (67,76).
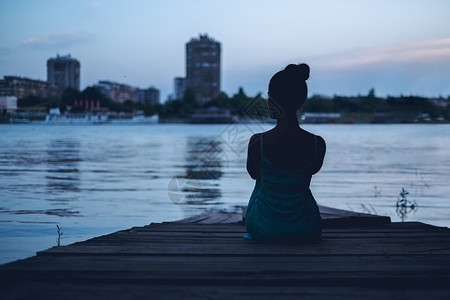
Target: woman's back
(282,206)
(288,151)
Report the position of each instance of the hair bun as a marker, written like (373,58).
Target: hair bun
(304,69)
(301,71)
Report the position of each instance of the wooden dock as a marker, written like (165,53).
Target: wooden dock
(206,257)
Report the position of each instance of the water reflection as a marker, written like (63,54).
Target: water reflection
(404,205)
(63,174)
(205,161)
(59,212)
(205,158)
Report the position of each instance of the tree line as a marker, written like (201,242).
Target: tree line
(361,106)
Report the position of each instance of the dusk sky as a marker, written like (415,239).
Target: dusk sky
(397,47)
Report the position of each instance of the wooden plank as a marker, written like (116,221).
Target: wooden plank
(186,237)
(356,278)
(354,271)
(232,231)
(249,248)
(214,237)
(232,266)
(233,227)
(97,291)
(331,217)
(213,218)
(223,239)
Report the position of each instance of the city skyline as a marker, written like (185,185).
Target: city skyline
(395,47)
(63,71)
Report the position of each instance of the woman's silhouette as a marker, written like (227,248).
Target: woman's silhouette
(282,161)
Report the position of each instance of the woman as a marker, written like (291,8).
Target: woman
(282,161)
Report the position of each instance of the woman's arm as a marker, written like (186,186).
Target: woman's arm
(254,157)
(321,148)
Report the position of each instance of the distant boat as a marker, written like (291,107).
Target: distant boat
(138,118)
(55,117)
(26,117)
(19,120)
(309,117)
(211,115)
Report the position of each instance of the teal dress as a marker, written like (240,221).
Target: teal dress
(282,207)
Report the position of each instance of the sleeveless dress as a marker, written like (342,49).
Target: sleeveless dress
(281,206)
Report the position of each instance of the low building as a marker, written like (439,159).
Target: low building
(21,87)
(118,92)
(8,104)
(149,96)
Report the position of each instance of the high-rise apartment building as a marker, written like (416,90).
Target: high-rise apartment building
(64,71)
(203,67)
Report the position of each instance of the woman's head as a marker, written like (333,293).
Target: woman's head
(288,90)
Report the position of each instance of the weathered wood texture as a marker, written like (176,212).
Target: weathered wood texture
(212,261)
(331,217)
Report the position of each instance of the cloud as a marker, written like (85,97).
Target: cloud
(409,53)
(420,68)
(5,51)
(92,7)
(55,40)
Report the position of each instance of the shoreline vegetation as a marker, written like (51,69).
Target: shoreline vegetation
(358,109)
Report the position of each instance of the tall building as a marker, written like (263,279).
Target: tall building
(179,84)
(203,67)
(64,71)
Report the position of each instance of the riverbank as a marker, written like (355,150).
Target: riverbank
(194,259)
(210,119)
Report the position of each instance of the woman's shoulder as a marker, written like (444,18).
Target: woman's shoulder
(321,146)
(254,142)
(257,136)
(318,140)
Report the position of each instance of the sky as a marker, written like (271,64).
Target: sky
(397,47)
